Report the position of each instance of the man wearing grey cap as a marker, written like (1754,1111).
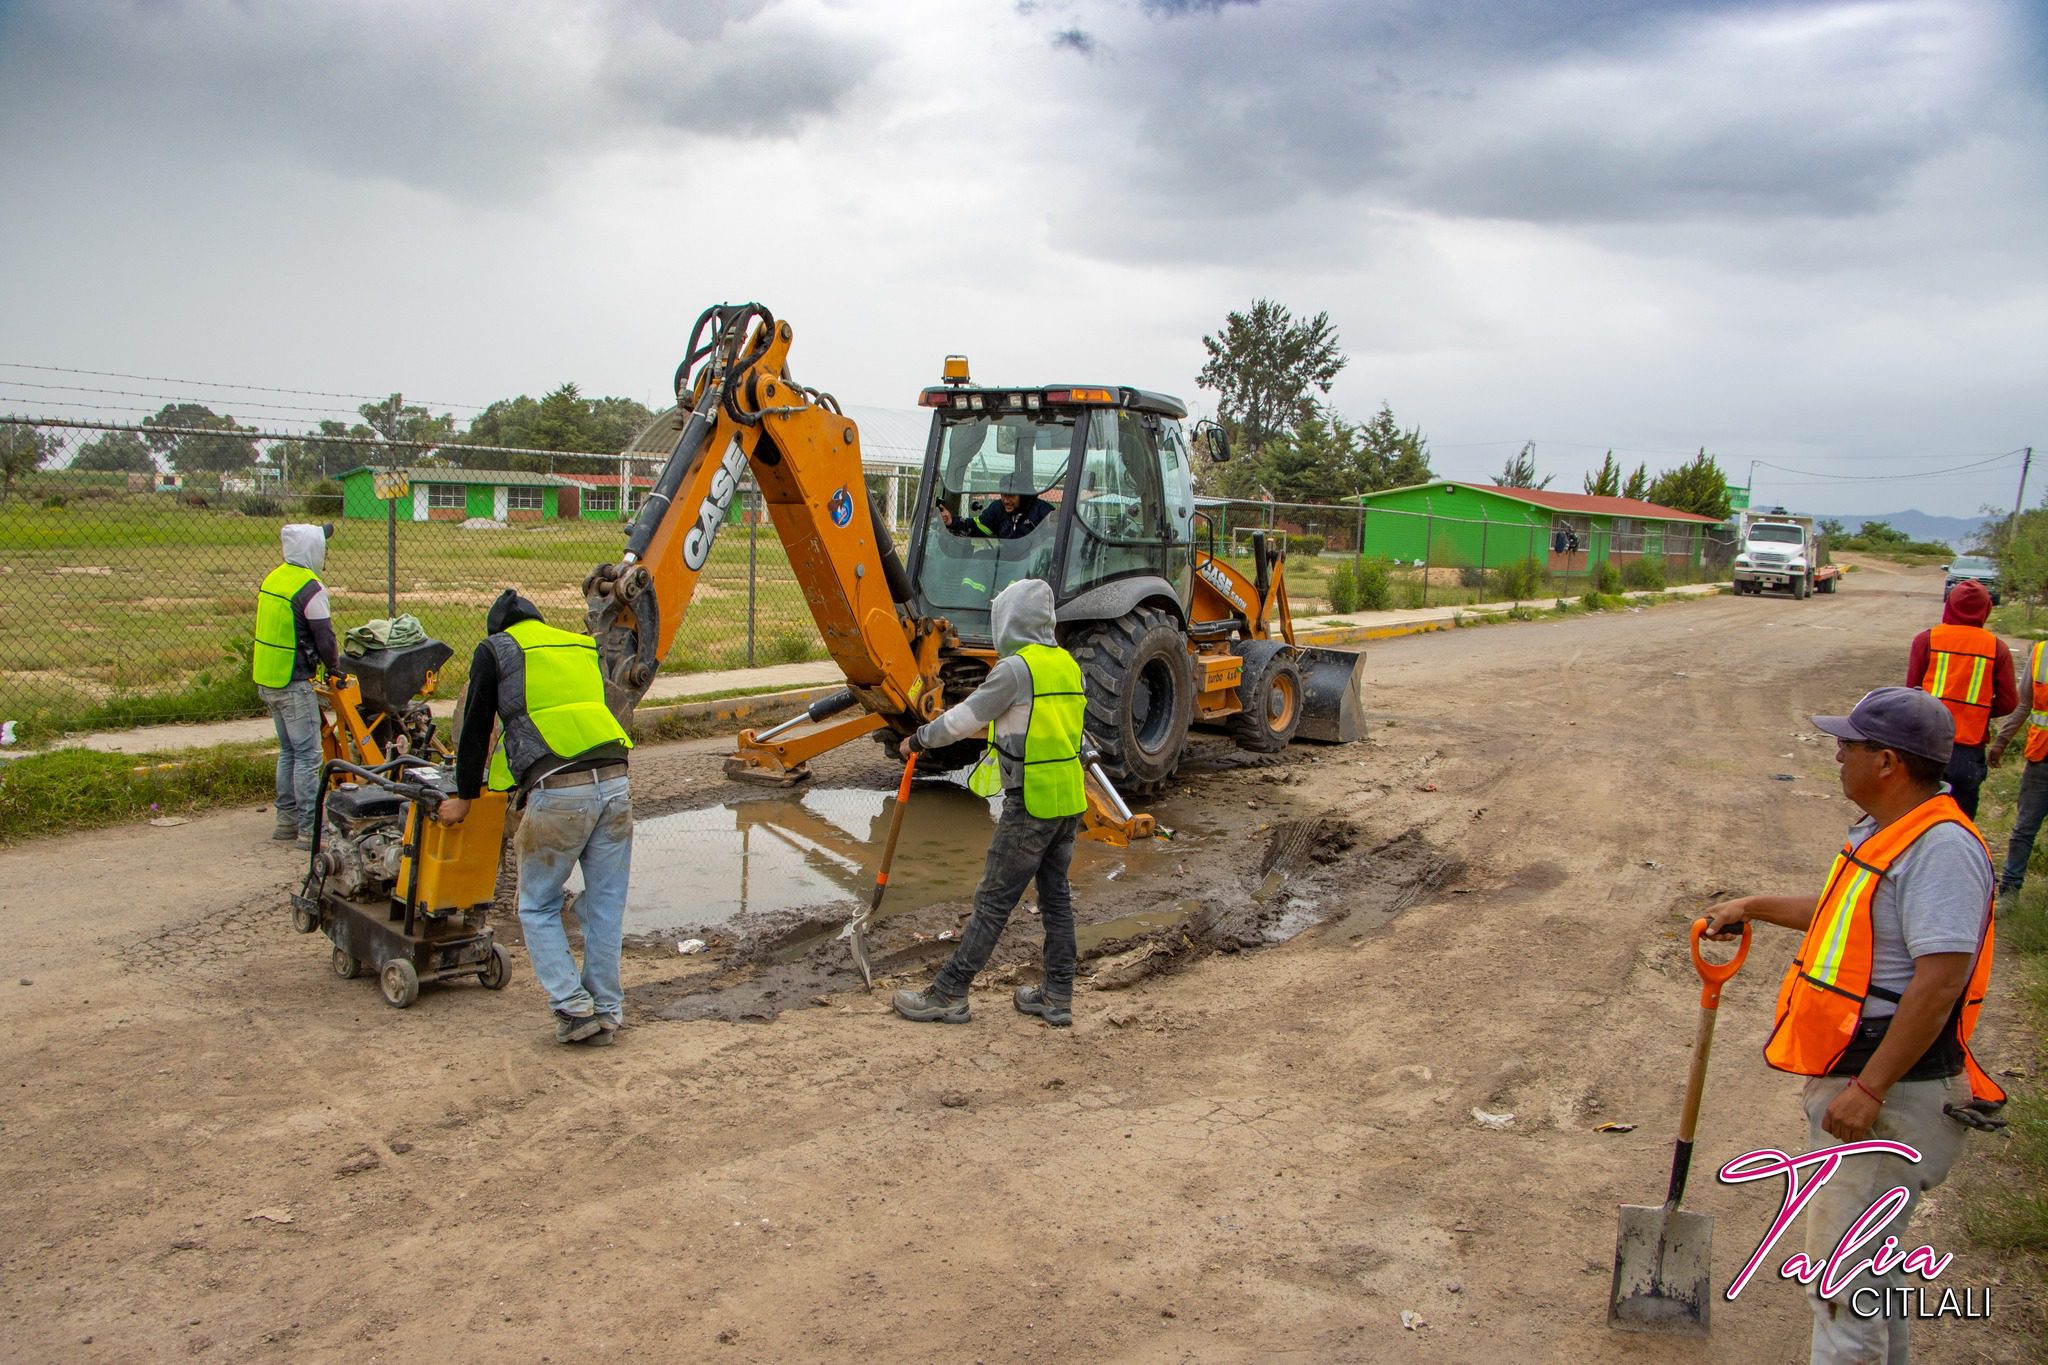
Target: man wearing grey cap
(1879,1003)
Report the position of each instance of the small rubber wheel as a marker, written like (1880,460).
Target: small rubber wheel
(304,920)
(497,969)
(399,982)
(345,967)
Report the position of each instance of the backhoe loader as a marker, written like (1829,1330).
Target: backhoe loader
(1168,634)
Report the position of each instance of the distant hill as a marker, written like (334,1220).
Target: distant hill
(1959,533)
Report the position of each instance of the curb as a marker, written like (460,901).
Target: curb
(733,708)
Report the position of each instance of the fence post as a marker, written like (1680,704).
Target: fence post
(1485,525)
(1358,553)
(391,549)
(1428,536)
(753,534)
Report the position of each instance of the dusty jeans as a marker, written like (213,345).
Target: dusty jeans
(1912,1115)
(564,826)
(295,712)
(1024,849)
(2027,824)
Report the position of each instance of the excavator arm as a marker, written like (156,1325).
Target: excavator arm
(738,411)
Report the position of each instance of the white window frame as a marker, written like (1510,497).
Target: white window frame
(596,499)
(442,497)
(517,495)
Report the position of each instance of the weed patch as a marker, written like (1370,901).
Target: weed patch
(71,789)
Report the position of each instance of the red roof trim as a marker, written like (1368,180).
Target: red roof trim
(608,480)
(1580,502)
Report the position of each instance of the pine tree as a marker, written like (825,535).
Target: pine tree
(1638,486)
(1606,483)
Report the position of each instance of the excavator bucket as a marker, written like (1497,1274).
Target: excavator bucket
(1332,695)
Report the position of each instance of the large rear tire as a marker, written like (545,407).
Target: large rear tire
(1271,694)
(1140,682)
(1801,587)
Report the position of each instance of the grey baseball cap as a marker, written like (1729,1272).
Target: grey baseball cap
(1902,718)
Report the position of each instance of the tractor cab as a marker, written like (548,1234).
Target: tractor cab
(1081,487)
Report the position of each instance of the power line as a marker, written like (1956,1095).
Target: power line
(214,384)
(1825,477)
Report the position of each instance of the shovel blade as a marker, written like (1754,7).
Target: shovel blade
(1663,1258)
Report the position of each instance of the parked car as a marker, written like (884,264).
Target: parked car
(1973,569)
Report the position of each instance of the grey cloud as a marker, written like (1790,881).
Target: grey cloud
(1074,40)
(466,98)
(1610,112)
(1173,9)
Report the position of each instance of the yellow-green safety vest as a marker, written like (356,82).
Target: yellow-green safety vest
(1051,761)
(550,698)
(277,631)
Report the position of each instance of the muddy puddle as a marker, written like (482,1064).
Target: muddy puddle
(768,882)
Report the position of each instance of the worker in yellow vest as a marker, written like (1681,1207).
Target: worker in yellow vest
(1970,669)
(1031,707)
(1881,999)
(2033,781)
(563,754)
(294,638)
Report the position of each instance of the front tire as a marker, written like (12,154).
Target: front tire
(399,983)
(1271,696)
(1141,695)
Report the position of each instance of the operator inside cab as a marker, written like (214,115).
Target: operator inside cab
(1008,516)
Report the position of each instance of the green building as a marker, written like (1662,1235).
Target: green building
(1477,525)
(508,495)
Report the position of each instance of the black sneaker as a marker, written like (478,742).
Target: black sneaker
(930,1006)
(574,1028)
(1031,1000)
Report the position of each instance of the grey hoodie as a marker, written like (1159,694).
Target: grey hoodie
(1021,614)
(312,616)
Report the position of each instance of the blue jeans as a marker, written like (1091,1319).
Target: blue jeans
(2033,808)
(564,826)
(1965,773)
(295,711)
(1024,849)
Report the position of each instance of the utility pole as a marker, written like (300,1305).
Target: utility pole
(2026,459)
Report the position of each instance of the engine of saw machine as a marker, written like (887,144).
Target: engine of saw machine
(378,711)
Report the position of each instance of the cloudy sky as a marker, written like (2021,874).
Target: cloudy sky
(1804,233)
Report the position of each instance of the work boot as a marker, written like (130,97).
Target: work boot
(285,828)
(1031,1000)
(574,1028)
(2008,897)
(604,1037)
(931,1006)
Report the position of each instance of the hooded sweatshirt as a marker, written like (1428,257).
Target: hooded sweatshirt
(1969,605)
(312,616)
(480,707)
(1021,614)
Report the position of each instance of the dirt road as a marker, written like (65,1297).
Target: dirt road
(214,1150)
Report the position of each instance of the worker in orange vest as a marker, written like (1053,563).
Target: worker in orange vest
(1879,1003)
(2033,781)
(1970,669)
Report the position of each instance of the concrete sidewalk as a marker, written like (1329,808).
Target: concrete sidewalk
(780,690)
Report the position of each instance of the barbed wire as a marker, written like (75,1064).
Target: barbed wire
(217,384)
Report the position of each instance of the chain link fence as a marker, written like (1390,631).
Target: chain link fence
(127,596)
(1428,559)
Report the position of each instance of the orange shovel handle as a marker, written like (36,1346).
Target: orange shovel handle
(1714,975)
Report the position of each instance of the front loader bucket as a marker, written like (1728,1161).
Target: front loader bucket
(1332,695)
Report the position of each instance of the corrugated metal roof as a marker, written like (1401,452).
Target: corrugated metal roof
(497,478)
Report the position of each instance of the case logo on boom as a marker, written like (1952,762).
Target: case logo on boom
(1213,576)
(724,483)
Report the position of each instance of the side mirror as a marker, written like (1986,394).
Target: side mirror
(1215,439)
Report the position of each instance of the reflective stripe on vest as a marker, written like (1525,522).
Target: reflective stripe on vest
(550,698)
(1053,786)
(1820,1001)
(2037,718)
(277,630)
(1959,671)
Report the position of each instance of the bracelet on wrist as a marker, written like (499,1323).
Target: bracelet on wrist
(1857,1081)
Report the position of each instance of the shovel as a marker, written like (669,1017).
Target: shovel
(1663,1255)
(859,927)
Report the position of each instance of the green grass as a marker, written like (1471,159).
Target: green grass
(117,611)
(72,789)
(2005,1200)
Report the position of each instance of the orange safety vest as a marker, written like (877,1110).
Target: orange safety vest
(1821,999)
(1959,671)
(2037,716)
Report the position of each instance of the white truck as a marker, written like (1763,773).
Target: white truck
(1779,549)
